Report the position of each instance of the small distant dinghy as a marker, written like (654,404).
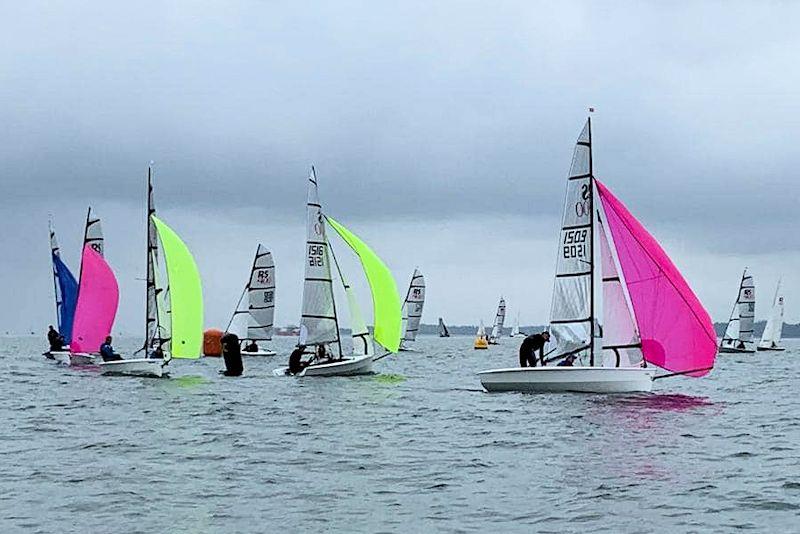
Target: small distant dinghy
(499,319)
(253,323)
(515,329)
(771,338)
(738,337)
(480,338)
(648,314)
(65,289)
(319,323)
(174,313)
(443,331)
(412,310)
(98,297)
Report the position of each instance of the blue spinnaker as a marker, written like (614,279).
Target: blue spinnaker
(68,289)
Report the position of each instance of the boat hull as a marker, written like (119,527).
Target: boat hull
(734,350)
(58,356)
(353,366)
(771,349)
(259,352)
(83,358)
(135,367)
(568,379)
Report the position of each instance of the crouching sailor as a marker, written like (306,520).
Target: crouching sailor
(107,351)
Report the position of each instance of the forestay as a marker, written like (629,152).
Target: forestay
(318,316)
(571,309)
(412,306)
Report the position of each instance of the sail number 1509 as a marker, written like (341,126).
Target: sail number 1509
(575,243)
(315,256)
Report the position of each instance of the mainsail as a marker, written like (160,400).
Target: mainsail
(385,299)
(739,331)
(185,294)
(98,298)
(515,328)
(443,332)
(572,308)
(412,306)
(773,330)
(65,288)
(260,289)
(499,319)
(318,322)
(93,235)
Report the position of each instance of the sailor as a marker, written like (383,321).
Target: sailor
(322,354)
(107,351)
(251,347)
(296,363)
(55,339)
(157,353)
(529,346)
(567,362)
(232,355)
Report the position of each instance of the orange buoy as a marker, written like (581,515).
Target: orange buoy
(212,342)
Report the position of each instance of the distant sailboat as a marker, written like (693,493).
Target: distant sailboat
(412,309)
(254,322)
(443,331)
(771,338)
(499,319)
(65,289)
(648,314)
(174,310)
(319,323)
(98,297)
(480,338)
(515,329)
(738,337)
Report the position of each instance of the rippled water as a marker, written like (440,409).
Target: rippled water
(417,447)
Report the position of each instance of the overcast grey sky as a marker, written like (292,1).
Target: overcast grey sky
(442,133)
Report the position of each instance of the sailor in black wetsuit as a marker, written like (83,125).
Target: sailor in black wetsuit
(55,339)
(529,346)
(296,363)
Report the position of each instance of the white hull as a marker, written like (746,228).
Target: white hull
(259,352)
(83,358)
(135,367)
(59,356)
(734,350)
(773,349)
(569,379)
(355,365)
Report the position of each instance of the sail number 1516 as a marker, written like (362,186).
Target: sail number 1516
(315,257)
(575,244)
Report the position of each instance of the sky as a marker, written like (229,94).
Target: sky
(441,132)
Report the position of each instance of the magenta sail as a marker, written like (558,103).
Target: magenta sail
(98,297)
(676,331)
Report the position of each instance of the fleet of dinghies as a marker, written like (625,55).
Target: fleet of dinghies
(642,316)
(254,323)
(620,312)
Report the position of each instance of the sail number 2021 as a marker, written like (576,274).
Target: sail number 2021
(575,243)
(315,258)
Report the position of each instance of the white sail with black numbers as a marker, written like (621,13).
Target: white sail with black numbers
(571,313)
(499,320)
(412,307)
(93,235)
(318,320)
(739,332)
(771,337)
(254,316)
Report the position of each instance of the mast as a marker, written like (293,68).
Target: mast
(592,313)
(55,251)
(151,312)
(85,240)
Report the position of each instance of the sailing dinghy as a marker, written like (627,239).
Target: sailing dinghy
(412,310)
(319,323)
(254,323)
(174,310)
(480,338)
(771,338)
(98,297)
(65,289)
(515,329)
(443,331)
(643,312)
(499,319)
(738,336)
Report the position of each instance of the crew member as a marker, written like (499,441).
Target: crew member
(296,363)
(567,362)
(55,339)
(107,351)
(251,347)
(529,346)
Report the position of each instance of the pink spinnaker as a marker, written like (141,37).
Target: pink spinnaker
(98,297)
(677,332)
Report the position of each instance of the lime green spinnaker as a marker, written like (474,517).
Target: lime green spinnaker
(385,299)
(185,294)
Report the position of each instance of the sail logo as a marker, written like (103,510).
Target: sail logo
(263,276)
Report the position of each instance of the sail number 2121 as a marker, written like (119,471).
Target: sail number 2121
(575,243)
(315,257)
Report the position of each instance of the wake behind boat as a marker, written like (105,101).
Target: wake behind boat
(648,314)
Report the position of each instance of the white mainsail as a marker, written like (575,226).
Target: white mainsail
(499,319)
(572,310)
(93,235)
(412,306)
(773,330)
(254,321)
(481,330)
(515,327)
(318,322)
(739,331)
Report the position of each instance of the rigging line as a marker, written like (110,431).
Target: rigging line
(382,356)
(236,310)
(683,373)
